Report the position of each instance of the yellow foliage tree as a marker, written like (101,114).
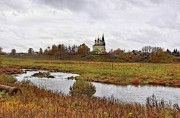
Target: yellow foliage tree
(161,57)
(83,49)
(127,56)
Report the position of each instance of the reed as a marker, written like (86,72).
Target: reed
(37,103)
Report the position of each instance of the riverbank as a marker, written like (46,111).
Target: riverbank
(107,72)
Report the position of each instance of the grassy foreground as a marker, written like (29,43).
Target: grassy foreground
(40,103)
(106,72)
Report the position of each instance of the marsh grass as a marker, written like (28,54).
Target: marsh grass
(7,79)
(122,73)
(40,103)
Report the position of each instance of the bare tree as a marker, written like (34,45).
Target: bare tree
(150,49)
(13,52)
(30,51)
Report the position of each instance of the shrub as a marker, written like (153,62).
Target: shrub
(161,57)
(82,88)
(5,79)
(2,92)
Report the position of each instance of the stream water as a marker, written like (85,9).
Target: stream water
(127,94)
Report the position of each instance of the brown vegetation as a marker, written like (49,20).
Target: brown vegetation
(10,70)
(10,90)
(38,103)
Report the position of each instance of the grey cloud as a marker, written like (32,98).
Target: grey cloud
(157,1)
(63,4)
(166,20)
(46,37)
(127,24)
(20,5)
(89,7)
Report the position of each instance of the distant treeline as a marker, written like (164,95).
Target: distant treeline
(82,52)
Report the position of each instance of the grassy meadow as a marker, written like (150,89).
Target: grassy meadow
(108,72)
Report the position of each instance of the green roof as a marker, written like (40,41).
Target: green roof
(96,50)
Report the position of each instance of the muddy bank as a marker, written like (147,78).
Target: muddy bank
(10,70)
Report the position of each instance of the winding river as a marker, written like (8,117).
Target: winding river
(127,94)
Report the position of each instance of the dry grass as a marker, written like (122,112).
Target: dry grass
(39,103)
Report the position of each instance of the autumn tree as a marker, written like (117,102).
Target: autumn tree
(136,57)
(118,52)
(83,49)
(54,49)
(61,50)
(161,57)
(127,56)
(45,51)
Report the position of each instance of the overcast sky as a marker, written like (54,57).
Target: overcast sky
(127,24)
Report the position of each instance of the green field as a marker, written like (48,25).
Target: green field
(107,72)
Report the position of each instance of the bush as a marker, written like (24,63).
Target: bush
(7,79)
(82,88)
(2,93)
(161,57)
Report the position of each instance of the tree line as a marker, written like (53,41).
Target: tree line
(54,50)
(147,54)
(82,52)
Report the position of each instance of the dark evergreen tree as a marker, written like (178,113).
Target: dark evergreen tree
(168,51)
(40,51)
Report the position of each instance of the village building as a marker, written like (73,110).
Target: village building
(99,46)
